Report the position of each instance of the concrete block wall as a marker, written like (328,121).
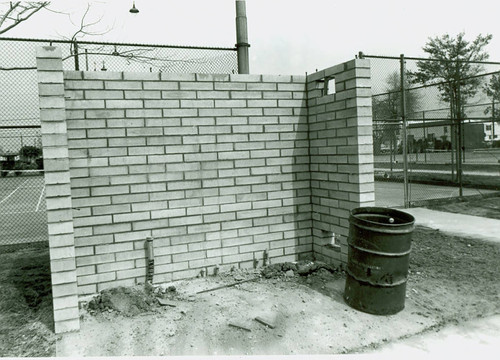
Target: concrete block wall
(341,166)
(214,167)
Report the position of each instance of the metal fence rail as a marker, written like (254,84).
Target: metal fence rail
(428,147)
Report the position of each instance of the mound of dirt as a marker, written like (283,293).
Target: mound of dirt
(302,268)
(128,301)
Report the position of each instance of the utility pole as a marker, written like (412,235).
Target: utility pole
(403,118)
(242,44)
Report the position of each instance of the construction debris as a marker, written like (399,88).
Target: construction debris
(164,302)
(239,325)
(227,285)
(289,269)
(266,321)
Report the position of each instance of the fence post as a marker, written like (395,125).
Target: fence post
(459,141)
(405,142)
(425,138)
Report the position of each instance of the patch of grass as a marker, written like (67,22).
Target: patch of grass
(486,206)
(26,316)
(468,181)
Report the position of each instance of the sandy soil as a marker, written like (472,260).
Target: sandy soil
(451,280)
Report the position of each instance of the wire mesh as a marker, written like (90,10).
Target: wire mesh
(444,138)
(22,191)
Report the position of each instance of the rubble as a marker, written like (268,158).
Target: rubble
(302,268)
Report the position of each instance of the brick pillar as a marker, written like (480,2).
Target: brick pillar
(57,187)
(340,135)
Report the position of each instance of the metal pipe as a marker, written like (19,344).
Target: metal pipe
(403,117)
(242,44)
(459,142)
(151,260)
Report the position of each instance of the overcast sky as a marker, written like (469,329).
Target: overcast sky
(286,36)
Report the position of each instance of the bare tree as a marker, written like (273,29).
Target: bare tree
(18,12)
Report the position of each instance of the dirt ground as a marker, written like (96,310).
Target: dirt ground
(26,319)
(486,207)
(451,280)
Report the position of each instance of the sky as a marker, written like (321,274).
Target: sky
(286,36)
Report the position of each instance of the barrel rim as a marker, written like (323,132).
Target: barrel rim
(382,211)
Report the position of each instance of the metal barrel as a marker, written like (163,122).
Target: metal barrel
(378,259)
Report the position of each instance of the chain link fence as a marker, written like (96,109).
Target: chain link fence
(452,143)
(22,191)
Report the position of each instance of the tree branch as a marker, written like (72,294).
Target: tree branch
(22,13)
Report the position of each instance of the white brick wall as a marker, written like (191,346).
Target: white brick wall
(341,154)
(185,159)
(217,168)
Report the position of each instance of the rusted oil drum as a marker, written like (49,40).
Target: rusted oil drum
(378,259)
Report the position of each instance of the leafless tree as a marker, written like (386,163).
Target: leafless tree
(18,12)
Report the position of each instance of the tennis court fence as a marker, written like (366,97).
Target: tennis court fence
(23,219)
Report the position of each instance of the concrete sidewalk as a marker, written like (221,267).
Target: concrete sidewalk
(473,339)
(477,338)
(457,224)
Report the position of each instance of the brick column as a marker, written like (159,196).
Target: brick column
(57,187)
(340,134)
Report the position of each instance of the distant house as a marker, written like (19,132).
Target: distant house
(475,134)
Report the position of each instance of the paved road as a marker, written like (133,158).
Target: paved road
(390,194)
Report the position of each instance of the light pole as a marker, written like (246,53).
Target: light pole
(242,44)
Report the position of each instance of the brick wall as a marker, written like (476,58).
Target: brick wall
(340,134)
(216,168)
(57,189)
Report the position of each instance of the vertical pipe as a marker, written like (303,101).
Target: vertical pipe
(242,44)
(86,60)
(403,118)
(459,141)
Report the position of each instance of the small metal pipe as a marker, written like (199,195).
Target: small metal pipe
(151,260)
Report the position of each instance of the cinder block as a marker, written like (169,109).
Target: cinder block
(230,104)
(62,290)
(85,104)
(196,86)
(123,85)
(96,278)
(67,326)
(66,314)
(48,77)
(231,259)
(103,94)
(124,104)
(104,113)
(102,75)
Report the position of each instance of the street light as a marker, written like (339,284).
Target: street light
(134,10)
